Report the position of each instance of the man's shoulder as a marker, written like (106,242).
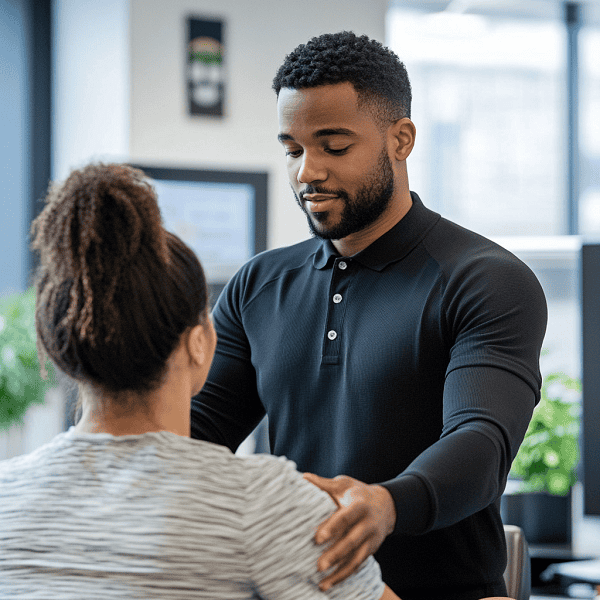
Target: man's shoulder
(456,248)
(478,267)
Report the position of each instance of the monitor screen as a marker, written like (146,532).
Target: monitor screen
(215,219)
(221,215)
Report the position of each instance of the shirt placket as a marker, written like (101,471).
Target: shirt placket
(337,300)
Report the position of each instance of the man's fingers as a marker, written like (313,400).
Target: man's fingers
(338,524)
(314,479)
(364,517)
(345,570)
(344,549)
(347,498)
(331,486)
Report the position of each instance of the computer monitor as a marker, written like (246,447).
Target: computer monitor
(221,215)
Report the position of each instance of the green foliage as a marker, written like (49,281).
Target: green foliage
(20,381)
(548,457)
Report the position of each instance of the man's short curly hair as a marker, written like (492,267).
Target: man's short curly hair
(377,74)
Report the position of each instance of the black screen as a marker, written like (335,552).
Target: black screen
(590,308)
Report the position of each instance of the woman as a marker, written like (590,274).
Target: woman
(125,504)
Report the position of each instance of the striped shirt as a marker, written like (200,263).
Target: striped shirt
(159,516)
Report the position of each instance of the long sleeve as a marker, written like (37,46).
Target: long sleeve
(228,408)
(466,469)
(494,313)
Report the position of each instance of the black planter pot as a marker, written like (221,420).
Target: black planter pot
(544,519)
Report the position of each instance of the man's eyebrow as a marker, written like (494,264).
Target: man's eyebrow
(335,131)
(286,137)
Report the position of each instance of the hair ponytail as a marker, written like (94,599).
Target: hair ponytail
(115,291)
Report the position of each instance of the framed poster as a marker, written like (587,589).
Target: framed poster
(205,67)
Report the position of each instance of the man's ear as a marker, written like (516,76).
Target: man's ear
(401,136)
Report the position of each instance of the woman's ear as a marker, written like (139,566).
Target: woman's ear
(201,343)
(401,135)
(198,344)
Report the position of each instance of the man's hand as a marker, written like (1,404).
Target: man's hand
(366,515)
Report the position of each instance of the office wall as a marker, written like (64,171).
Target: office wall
(258,35)
(90,82)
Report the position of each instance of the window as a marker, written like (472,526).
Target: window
(494,105)
(488,97)
(589,136)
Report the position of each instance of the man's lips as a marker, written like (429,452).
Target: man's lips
(319,202)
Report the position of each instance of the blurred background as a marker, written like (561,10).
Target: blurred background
(506,101)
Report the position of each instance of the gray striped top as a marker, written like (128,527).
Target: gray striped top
(97,517)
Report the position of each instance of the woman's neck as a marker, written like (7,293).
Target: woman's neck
(166,409)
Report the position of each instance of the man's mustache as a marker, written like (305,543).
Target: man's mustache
(321,190)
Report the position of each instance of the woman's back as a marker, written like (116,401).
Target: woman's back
(125,505)
(160,516)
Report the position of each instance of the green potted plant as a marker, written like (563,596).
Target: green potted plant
(538,497)
(21,383)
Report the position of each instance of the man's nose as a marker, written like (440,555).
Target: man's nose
(311,170)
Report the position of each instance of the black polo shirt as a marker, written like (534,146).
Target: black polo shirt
(413,363)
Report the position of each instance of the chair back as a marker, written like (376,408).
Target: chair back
(518,568)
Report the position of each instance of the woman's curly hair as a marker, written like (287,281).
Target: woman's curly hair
(115,290)
(377,74)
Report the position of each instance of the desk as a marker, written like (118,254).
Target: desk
(587,571)
(544,556)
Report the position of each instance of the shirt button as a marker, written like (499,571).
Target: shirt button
(337,298)
(342,265)
(331,335)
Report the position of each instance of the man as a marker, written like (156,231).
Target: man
(394,347)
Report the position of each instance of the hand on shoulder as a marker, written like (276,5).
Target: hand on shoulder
(366,515)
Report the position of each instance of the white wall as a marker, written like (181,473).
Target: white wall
(90,82)
(258,35)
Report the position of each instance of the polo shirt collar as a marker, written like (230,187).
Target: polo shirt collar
(392,246)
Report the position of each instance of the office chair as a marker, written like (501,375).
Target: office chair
(518,568)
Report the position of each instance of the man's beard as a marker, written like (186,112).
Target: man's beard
(370,202)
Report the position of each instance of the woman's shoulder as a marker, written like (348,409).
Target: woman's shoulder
(36,458)
(276,488)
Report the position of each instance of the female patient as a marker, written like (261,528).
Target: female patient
(125,504)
